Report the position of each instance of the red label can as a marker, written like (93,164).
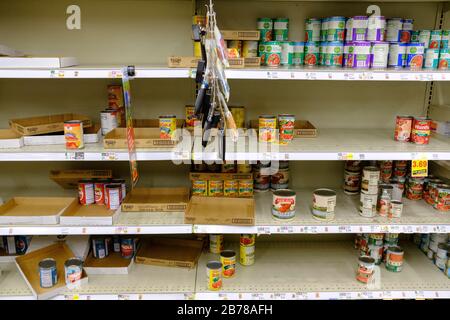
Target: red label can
(113,196)
(403,125)
(421,130)
(86,194)
(99,188)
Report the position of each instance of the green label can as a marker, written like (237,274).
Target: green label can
(299,53)
(287,53)
(444,59)
(262,54)
(281,29)
(272,51)
(265,26)
(311,54)
(435,39)
(334,54)
(312,29)
(336,29)
(431,59)
(322,53)
(415,35)
(445,39)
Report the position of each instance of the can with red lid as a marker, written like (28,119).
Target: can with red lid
(403,126)
(99,190)
(86,194)
(421,130)
(113,196)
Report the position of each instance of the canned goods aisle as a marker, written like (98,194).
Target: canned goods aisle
(322,270)
(342,144)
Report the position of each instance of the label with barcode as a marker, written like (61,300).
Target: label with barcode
(272,75)
(106,156)
(263,230)
(74,155)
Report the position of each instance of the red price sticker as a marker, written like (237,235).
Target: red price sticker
(419,168)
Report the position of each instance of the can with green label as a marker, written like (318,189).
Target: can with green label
(431,59)
(287,53)
(272,53)
(445,39)
(336,29)
(265,27)
(299,53)
(322,52)
(281,29)
(415,35)
(312,29)
(334,54)
(311,54)
(444,59)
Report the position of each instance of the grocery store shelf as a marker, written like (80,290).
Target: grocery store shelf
(322,271)
(343,144)
(417,217)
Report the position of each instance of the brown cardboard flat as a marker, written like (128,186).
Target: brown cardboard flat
(28,265)
(10,139)
(68,179)
(252,62)
(144,138)
(156,200)
(170,252)
(240,35)
(77,214)
(222,211)
(236,63)
(302,129)
(219,176)
(46,124)
(112,264)
(153,123)
(182,62)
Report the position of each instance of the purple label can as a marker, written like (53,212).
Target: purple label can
(357,54)
(397,55)
(375,28)
(359,28)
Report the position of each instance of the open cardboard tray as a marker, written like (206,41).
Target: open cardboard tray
(156,200)
(112,264)
(77,214)
(28,266)
(252,35)
(170,252)
(79,244)
(46,124)
(222,211)
(68,179)
(182,62)
(144,138)
(219,176)
(9,139)
(91,135)
(153,123)
(302,129)
(34,210)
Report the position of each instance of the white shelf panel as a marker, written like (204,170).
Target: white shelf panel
(322,271)
(344,144)
(417,217)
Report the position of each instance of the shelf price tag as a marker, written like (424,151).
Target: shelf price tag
(263,230)
(257,296)
(301,296)
(345,295)
(285,229)
(345,156)
(344,229)
(279,296)
(349,76)
(123,297)
(106,156)
(311,76)
(121,230)
(420,295)
(74,155)
(419,168)
(272,75)
(223,296)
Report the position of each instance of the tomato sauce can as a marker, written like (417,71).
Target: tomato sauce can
(200,188)
(283,204)
(215,243)
(365,270)
(73,134)
(431,59)
(113,196)
(115,96)
(403,128)
(394,28)
(442,198)
(359,25)
(379,54)
(272,51)
(123,187)
(407,28)
(108,120)
(335,29)
(267,128)
(396,209)
(245,188)
(424,37)
(324,202)
(190,117)
(429,192)
(414,188)
(368,205)
(247,249)
(265,27)
(312,29)
(48,275)
(286,123)
(334,56)
(86,192)
(311,54)
(352,182)
(299,54)
(127,247)
(357,54)
(214,275)
(280,179)
(386,170)
(261,179)
(228,260)
(397,55)
(435,39)
(444,59)
(99,190)
(100,247)
(230,188)
(394,259)
(421,130)
(167,126)
(215,188)
(73,270)
(370,180)
(414,56)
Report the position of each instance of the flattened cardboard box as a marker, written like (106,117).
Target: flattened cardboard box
(68,179)
(91,135)
(182,62)
(144,138)
(219,176)
(156,200)
(252,62)
(114,263)
(302,129)
(9,139)
(252,35)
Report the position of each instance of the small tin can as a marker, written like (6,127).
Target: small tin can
(228,260)
(334,56)
(394,259)
(435,39)
(442,250)
(384,199)
(215,188)
(267,128)
(403,128)
(429,192)
(397,55)
(440,262)
(366,267)
(376,27)
(200,188)
(73,270)
(431,59)
(322,52)
(113,196)
(424,37)
(311,54)
(376,252)
(215,243)
(228,167)
(442,197)
(359,28)
(247,249)
(379,55)
(73,134)
(265,27)
(368,205)
(396,209)
(108,120)
(357,54)
(230,188)
(115,96)
(324,202)
(375,239)
(273,52)
(214,274)
(414,188)
(167,126)
(299,54)
(407,28)
(414,55)
(261,179)
(48,275)
(444,59)
(386,170)
(250,49)
(394,28)
(280,179)
(235,44)
(370,180)
(245,187)
(100,248)
(353,165)
(247,240)
(116,244)
(281,29)
(445,39)
(312,29)
(286,123)
(99,190)
(415,35)
(324,29)
(352,182)
(190,117)
(86,192)
(244,168)
(283,204)
(335,29)
(123,187)
(421,129)
(21,244)
(127,247)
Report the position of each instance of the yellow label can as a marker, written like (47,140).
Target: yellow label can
(245,188)
(267,128)
(214,274)
(199,188)
(167,126)
(215,188)
(230,188)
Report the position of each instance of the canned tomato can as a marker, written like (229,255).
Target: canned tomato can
(429,192)
(379,54)
(123,187)
(115,96)
(235,44)
(280,179)
(283,204)
(386,170)
(435,39)
(421,130)
(394,259)
(108,120)
(73,134)
(215,188)
(244,168)
(397,55)
(230,188)
(214,275)
(113,196)
(86,192)
(375,28)
(366,267)
(322,52)
(286,123)
(324,202)
(445,39)
(311,54)
(215,243)
(247,255)
(228,167)
(407,28)
(334,56)
(261,179)
(245,187)
(250,49)
(299,54)
(324,29)
(376,239)
(370,180)
(396,209)
(403,128)
(73,269)
(394,28)
(127,247)
(48,275)
(272,50)
(424,37)
(167,126)
(442,197)
(335,29)
(100,248)
(281,29)
(414,55)
(267,128)
(352,182)
(262,54)
(190,116)
(312,29)
(287,53)
(200,188)
(431,59)
(414,188)
(368,205)
(359,28)
(357,54)
(228,260)
(247,240)
(99,190)
(376,252)
(444,59)
(265,27)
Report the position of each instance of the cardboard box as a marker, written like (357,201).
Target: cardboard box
(252,35)
(112,264)
(91,215)
(37,62)
(46,124)
(219,176)
(182,62)
(252,62)
(156,200)
(144,138)
(236,63)
(10,52)
(9,139)
(153,123)
(91,135)
(28,266)
(441,127)
(222,211)
(34,210)
(79,245)
(302,129)
(68,179)
(170,252)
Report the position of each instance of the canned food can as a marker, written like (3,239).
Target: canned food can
(299,54)
(370,180)
(214,274)
(280,179)
(283,204)
(312,29)
(127,247)
(200,188)
(407,28)
(396,209)
(123,187)
(376,26)
(113,196)
(267,128)
(250,49)
(353,165)
(397,55)
(414,55)
(272,50)
(394,28)
(424,37)
(247,240)
(167,126)
(384,199)
(100,248)
(215,188)
(379,55)
(245,188)
(228,167)
(322,52)
(73,134)
(99,191)
(86,192)
(235,44)
(281,29)
(435,39)
(376,252)
(357,54)
(228,260)
(366,267)
(334,56)
(230,188)
(445,39)
(386,170)
(311,54)
(238,115)
(403,128)
(440,263)
(359,28)
(247,255)
(348,30)
(116,244)
(265,27)
(215,243)
(115,96)
(368,205)
(190,117)
(429,192)
(108,120)
(415,35)
(21,244)
(442,250)
(287,53)
(442,196)
(431,59)
(244,168)
(352,182)
(375,239)
(48,275)
(394,259)
(286,123)
(261,180)
(414,188)
(335,29)
(444,59)
(324,202)
(421,130)
(73,269)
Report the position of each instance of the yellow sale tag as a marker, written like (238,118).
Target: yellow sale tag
(419,168)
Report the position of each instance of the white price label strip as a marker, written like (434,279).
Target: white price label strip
(74,155)
(272,75)
(106,156)
(263,230)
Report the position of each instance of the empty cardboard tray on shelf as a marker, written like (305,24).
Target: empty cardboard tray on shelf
(34,210)
(28,265)
(171,252)
(114,263)
(91,135)
(144,138)
(9,139)
(220,210)
(68,179)
(77,214)
(156,200)
(302,128)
